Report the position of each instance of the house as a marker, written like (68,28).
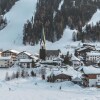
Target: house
(58,60)
(25,63)
(98,62)
(92,57)
(77,80)
(91,76)
(76,62)
(52,54)
(58,75)
(6,62)
(27,55)
(24,55)
(12,53)
(83,50)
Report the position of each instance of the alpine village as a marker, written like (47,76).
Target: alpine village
(50,45)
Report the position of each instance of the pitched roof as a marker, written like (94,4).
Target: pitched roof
(74,58)
(25,60)
(52,53)
(27,53)
(13,51)
(91,70)
(93,54)
(77,79)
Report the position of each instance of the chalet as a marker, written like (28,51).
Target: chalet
(91,76)
(27,55)
(52,54)
(76,61)
(12,53)
(25,63)
(59,75)
(6,62)
(83,50)
(92,57)
(24,55)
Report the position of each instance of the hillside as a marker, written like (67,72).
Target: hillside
(12,35)
(54,16)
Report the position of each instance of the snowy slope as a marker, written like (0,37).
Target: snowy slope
(95,18)
(26,89)
(11,36)
(17,16)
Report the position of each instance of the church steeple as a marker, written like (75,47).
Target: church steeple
(42,46)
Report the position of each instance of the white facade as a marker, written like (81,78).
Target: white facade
(26,63)
(92,82)
(98,78)
(23,55)
(6,62)
(92,56)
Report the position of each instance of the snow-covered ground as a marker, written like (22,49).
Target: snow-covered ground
(38,89)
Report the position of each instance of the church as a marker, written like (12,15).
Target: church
(47,54)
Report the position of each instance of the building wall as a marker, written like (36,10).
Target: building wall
(6,54)
(5,63)
(22,56)
(76,63)
(92,76)
(92,82)
(92,58)
(26,65)
(98,78)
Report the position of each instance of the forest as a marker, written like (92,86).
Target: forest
(5,6)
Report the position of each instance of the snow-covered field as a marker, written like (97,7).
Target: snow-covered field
(27,89)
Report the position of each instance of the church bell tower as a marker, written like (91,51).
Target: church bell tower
(42,52)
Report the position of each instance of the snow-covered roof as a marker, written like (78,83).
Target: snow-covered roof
(5,58)
(69,71)
(27,53)
(57,59)
(91,70)
(77,79)
(57,72)
(93,54)
(34,57)
(25,60)
(74,58)
(14,51)
(86,47)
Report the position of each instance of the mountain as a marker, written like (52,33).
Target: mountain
(11,37)
(55,15)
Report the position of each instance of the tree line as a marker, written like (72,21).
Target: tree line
(72,14)
(90,33)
